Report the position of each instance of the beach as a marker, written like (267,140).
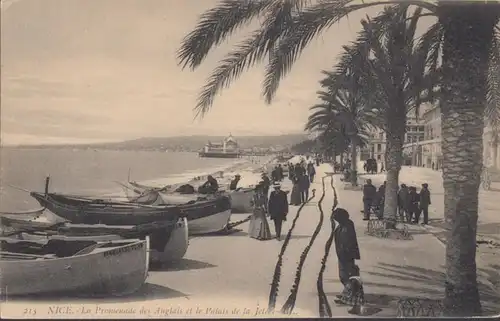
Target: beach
(95,173)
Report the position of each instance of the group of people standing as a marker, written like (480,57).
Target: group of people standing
(302,176)
(276,207)
(411,204)
(373,199)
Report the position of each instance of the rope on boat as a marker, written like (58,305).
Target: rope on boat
(273,295)
(290,302)
(324,307)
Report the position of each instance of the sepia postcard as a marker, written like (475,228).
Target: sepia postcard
(249,159)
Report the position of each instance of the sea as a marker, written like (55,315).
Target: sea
(94,172)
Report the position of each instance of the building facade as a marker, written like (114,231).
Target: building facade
(376,147)
(429,153)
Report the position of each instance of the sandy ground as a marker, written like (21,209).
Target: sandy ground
(230,276)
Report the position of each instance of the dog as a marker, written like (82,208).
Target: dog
(354,295)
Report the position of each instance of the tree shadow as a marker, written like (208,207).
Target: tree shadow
(181,265)
(431,284)
(423,284)
(147,292)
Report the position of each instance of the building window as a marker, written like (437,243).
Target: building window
(379,157)
(420,128)
(379,147)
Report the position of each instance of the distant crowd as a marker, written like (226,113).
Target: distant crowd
(411,204)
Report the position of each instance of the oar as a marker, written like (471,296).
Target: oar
(18,188)
(23,255)
(35,229)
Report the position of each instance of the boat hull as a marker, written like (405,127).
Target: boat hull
(84,211)
(241,200)
(210,224)
(116,271)
(174,250)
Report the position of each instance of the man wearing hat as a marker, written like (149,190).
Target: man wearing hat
(278,208)
(425,201)
(234,183)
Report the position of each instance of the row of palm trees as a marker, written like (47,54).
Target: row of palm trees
(386,72)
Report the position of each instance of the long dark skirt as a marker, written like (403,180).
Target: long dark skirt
(347,268)
(295,197)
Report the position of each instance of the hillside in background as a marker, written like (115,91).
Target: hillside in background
(187,143)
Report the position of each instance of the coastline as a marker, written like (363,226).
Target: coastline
(248,170)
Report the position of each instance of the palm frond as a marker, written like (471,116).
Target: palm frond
(215,25)
(307,24)
(252,50)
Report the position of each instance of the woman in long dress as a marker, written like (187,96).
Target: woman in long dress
(295,198)
(259,227)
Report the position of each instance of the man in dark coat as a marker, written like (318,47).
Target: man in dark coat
(381,200)
(209,187)
(280,173)
(234,183)
(346,246)
(278,208)
(304,185)
(425,201)
(275,174)
(311,171)
(413,208)
(402,200)
(369,196)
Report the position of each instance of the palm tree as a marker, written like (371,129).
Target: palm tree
(468,29)
(342,106)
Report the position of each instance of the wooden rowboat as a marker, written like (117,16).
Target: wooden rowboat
(76,267)
(204,215)
(94,211)
(173,249)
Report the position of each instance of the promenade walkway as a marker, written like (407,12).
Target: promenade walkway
(230,276)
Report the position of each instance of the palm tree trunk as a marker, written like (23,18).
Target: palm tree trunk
(468,37)
(354,165)
(396,127)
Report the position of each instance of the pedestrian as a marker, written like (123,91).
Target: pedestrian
(369,196)
(425,201)
(234,183)
(304,185)
(280,173)
(259,227)
(433,166)
(346,246)
(295,195)
(382,168)
(413,207)
(402,201)
(278,208)
(266,184)
(311,171)
(381,201)
(275,174)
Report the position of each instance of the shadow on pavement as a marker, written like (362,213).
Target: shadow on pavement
(431,283)
(417,282)
(182,265)
(148,291)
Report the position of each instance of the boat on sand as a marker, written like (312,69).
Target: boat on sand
(75,267)
(167,244)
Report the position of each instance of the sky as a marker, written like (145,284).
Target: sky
(77,71)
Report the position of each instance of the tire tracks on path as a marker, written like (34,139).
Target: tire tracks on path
(273,295)
(290,302)
(324,307)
